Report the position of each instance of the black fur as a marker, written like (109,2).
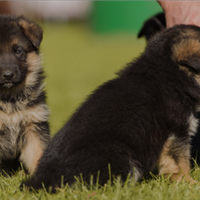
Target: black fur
(127,121)
(150,28)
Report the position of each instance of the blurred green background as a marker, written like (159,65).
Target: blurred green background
(85,43)
(123,16)
(78,57)
(77,60)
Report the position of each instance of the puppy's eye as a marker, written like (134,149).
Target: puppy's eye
(19,51)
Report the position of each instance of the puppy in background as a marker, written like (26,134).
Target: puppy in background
(151,27)
(143,118)
(24,129)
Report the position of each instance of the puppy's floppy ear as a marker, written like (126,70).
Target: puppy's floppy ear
(192,63)
(31,30)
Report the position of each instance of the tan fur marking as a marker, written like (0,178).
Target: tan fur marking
(34,63)
(190,33)
(24,24)
(197,78)
(168,166)
(35,114)
(15,41)
(186,70)
(183,174)
(33,150)
(185,49)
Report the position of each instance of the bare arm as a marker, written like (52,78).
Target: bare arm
(181,12)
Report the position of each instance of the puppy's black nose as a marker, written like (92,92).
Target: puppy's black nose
(8,75)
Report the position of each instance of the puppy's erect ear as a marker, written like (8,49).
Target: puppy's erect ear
(31,30)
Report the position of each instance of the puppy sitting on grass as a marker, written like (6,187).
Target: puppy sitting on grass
(150,28)
(142,119)
(24,131)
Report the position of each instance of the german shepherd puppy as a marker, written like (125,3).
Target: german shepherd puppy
(151,27)
(143,118)
(24,129)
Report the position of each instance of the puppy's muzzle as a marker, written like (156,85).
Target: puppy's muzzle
(8,75)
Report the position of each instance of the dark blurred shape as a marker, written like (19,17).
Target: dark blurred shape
(152,26)
(5,8)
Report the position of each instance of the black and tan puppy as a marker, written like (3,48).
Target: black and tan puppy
(24,130)
(142,119)
(151,27)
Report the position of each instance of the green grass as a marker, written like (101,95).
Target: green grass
(77,61)
(156,188)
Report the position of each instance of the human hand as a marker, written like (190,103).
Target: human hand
(181,12)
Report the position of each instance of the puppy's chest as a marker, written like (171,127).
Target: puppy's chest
(10,130)
(14,122)
(12,118)
(11,125)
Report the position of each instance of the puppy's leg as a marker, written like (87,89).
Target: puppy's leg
(175,159)
(32,147)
